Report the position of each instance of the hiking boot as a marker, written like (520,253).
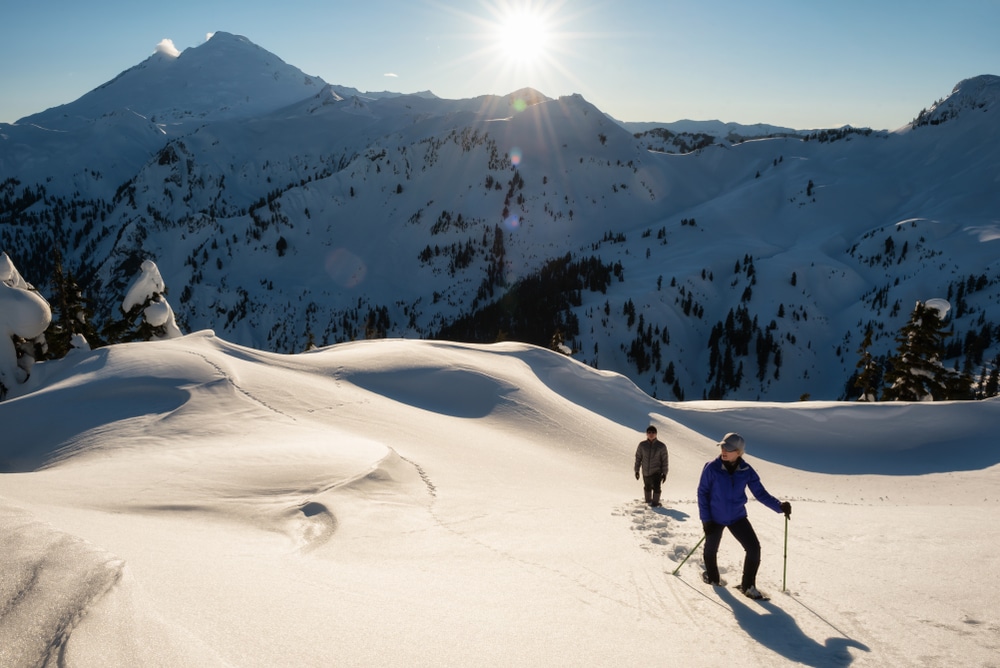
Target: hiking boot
(707,580)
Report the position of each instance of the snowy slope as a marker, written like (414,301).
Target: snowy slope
(281,210)
(226,77)
(419,503)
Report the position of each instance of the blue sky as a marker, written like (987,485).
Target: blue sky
(801,64)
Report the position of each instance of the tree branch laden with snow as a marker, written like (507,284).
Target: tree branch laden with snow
(147,293)
(24,317)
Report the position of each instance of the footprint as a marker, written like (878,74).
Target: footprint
(313,525)
(653,528)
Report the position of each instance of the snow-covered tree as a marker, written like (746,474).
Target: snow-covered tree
(146,297)
(916,373)
(24,316)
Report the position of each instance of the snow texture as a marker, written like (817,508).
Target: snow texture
(199,503)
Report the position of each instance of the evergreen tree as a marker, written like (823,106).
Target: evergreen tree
(991,380)
(915,373)
(118,330)
(58,334)
(72,313)
(869,377)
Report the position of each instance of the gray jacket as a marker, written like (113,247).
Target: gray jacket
(652,458)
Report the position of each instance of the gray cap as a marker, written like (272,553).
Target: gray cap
(733,442)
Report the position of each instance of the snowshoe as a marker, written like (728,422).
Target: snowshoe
(752,592)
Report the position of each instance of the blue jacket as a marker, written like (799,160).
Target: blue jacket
(722,496)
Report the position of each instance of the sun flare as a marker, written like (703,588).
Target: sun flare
(522,36)
(523,44)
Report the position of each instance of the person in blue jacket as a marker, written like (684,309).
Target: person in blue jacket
(722,500)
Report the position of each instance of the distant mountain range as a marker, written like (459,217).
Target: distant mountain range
(700,259)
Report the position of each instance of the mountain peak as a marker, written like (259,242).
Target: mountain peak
(226,77)
(981,93)
(528,96)
(225,42)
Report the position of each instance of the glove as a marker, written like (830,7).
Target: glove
(709,527)
(636,475)
(663,478)
(787,509)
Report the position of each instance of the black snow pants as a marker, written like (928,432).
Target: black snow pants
(651,487)
(744,533)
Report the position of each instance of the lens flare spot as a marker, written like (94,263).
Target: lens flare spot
(345,268)
(512,223)
(515,156)
(519,105)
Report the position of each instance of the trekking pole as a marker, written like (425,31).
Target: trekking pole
(689,555)
(784,573)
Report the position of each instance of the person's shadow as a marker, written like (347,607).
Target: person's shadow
(774,628)
(678,515)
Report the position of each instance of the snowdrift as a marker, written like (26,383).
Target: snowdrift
(394,502)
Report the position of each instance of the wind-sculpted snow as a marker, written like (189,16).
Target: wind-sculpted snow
(464,391)
(347,504)
(895,438)
(454,392)
(36,439)
(49,582)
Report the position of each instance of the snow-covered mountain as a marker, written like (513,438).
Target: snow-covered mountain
(226,77)
(282,210)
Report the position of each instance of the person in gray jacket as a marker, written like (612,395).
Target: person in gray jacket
(652,461)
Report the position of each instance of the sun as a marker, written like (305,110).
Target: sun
(521,44)
(522,35)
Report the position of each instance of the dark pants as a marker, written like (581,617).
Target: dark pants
(744,533)
(651,487)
